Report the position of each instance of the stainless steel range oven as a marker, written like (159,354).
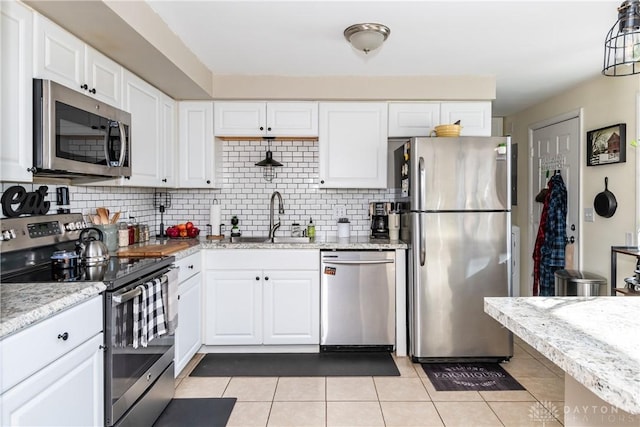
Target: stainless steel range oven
(139,379)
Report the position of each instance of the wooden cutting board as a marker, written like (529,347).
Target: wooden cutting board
(153,250)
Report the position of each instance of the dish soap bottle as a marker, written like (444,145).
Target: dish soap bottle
(311,229)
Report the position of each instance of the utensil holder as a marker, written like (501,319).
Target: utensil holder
(110,235)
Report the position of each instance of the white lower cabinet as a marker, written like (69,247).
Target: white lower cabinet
(189,330)
(262,296)
(53,371)
(68,392)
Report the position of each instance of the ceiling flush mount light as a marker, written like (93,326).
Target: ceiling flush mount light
(367,37)
(268,163)
(622,45)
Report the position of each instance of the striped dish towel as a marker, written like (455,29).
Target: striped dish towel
(148,314)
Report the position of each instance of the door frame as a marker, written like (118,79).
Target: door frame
(579,114)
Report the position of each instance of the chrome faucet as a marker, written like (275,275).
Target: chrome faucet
(273,227)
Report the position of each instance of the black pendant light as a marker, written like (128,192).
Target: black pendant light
(622,45)
(268,163)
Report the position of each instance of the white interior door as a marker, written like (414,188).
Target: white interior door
(556,147)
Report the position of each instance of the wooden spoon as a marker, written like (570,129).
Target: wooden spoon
(102,212)
(116,217)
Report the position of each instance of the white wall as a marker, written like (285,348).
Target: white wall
(605,101)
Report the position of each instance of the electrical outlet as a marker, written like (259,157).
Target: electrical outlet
(588,215)
(339,211)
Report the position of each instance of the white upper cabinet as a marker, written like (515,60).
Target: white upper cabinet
(169,140)
(352,145)
(413,118)
(62,57)
(475,117)
(103,77)
(198,152)
(250,119)
(420,118)
(147,157)
(16,92)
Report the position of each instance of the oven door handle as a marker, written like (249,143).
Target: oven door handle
(127,296)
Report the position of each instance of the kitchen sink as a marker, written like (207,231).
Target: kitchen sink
(263,239)
(286,239)
(249,239)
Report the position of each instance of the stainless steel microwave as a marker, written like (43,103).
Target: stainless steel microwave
(76,136)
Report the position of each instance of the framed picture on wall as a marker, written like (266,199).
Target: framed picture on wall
(607,145)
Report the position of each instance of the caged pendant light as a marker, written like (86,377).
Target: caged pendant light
(268,163)
(622,45)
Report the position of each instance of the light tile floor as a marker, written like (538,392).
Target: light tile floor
(408,400)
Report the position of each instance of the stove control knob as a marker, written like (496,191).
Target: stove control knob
(79,225)
(8,234)
(70,226)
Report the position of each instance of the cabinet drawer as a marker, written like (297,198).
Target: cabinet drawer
(28,351)
(188,266)
(275,259)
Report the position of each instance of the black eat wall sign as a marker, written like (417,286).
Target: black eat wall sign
(25,203)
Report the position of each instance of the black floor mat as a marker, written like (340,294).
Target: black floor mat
(213,412)
(470,377)
(296,365)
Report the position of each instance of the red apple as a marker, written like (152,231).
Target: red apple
(193,232)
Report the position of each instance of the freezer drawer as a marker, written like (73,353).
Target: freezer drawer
(357,298)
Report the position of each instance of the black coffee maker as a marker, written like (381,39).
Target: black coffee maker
(379,217)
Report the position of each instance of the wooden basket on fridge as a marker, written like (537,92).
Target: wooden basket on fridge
(447,130)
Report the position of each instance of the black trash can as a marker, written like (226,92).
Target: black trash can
(573,283)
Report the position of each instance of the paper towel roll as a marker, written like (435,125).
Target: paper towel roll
(215,218)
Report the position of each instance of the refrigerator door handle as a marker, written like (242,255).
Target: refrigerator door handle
(422,196)
(423,246)
(422,184)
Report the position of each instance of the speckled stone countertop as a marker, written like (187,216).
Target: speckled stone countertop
(596,340)
(359,242)
(23,304)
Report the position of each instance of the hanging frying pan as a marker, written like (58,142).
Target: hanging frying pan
(605,202)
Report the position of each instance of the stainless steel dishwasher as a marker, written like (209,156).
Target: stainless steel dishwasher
(358,300)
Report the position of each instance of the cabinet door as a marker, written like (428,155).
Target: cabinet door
(197,148)
(58,55)
(291,307)
(143,102)
(169,135)
(353,145)
(189,331)
(292,119)
(233,307)
(103,78)
(68,392)
(475,117)
(413,118)
(16,92)
(240,118)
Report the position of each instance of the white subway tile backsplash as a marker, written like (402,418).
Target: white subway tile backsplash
(245,194)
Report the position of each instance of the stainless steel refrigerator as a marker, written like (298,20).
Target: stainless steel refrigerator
(458,211)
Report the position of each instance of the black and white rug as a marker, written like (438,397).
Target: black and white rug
(470,377)
(296,365)
(212,412)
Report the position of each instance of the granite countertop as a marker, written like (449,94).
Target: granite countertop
(596,340)
(23,304)
(331,242)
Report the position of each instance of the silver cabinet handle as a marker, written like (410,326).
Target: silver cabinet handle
(357,262)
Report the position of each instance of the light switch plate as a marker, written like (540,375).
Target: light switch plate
(588,215)
(339,211)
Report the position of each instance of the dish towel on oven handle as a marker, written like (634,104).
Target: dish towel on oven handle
(170,298)
(148,313)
